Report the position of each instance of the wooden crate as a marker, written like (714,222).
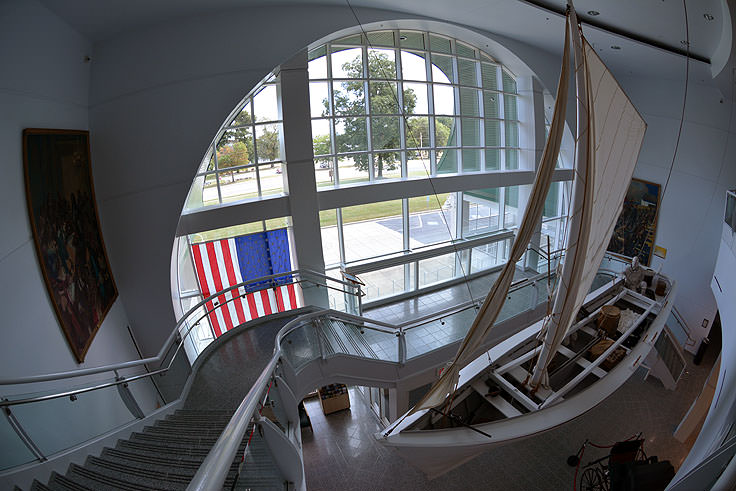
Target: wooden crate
(334,398)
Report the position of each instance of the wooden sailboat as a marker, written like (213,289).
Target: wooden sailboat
(544,375)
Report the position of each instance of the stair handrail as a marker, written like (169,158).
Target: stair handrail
(160,356)
(213,471)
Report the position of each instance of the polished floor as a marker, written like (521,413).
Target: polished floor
(340,452)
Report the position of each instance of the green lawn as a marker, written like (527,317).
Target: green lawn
(382,209)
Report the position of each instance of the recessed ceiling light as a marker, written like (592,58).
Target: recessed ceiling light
(708,17)
(403,38)
(593,13)
(616,47)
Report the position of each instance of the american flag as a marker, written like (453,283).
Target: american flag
(224,263)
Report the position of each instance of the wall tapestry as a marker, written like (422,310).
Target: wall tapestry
(636,227)
(66,231)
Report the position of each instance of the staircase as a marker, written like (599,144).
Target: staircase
(166,456)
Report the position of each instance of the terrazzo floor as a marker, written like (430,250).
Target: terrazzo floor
(340,452)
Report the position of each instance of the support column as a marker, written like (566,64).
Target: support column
(300,182)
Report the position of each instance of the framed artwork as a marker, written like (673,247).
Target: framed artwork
(66,231)
(636,227)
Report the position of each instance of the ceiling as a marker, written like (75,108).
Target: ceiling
(534,22)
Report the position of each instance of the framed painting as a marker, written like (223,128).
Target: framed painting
(636,227)
(66,231)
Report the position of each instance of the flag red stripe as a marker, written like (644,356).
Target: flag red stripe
(279,299)
(232,280)
(218,284)
(252,306)
(199,266)
(292,296)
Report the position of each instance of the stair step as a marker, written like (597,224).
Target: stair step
(37,486)
(183,432)
(97,481)
(57,482)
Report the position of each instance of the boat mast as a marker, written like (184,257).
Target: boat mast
(558,322)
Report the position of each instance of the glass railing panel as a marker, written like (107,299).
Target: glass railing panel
(520,300)
(442,268)
(57,424)
(438,333)
(382,345)
(13,451)
(301,346)
(487,256)
(274,410)
(677,329)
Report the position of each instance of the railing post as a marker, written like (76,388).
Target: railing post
(401,335)
(22,434)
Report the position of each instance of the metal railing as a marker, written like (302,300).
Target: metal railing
(164,359)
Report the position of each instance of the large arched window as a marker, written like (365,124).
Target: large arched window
(409,104)
(421,150)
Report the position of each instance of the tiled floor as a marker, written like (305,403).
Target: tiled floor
(342,453)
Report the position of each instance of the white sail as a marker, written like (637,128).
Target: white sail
(496,297)
(613,137)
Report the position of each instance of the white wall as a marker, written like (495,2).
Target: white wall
(44,83)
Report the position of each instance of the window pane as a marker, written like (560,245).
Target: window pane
(512,206)
(350,134)
(466,73)
(512,134)
(490,104)
(512,159)
(324,172)
(385,132)
(318,63)
(372,230)
(445,132)
(471,160)
(330,240)
(272,179)
(486,257)
(442,70)
(321,137)
(493,159)
(384,98)
(417,164)
(431,219)
(464,50)
(509,107)
(318,99)
(381,38)
(552,202)
(489,74)
(469,102)
(493,133)
(411,39)
(354,39)
(446,161)
(387,165)
(415,99)
(265,104)
(481,210)
(444,99)
(417,132)
(244,117)
(470,132)
(347,62)
(439,269)
(353,169)
(235,148)
(349,97)
(382,63)
(238,185)
(509,84)
(439,44)
(268,142)
(383,283)
(413,66)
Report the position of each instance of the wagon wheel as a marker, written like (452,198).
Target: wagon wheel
(591,480)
